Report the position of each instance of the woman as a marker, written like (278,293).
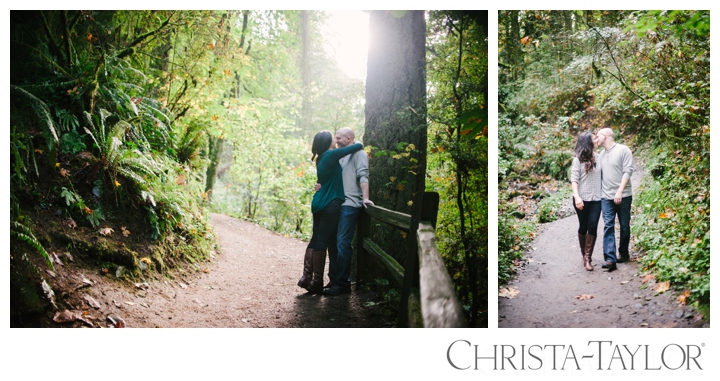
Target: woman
(325,208)
(587,189)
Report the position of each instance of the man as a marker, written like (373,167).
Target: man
(355,181)
(616,165)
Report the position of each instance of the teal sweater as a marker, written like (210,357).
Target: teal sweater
(329,174)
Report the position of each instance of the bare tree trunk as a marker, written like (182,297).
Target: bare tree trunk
(396,128)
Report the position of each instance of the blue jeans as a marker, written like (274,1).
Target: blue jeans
(339,271)
(609,211)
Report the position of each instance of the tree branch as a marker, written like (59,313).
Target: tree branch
(131,48)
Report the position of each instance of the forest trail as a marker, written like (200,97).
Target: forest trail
(547,291)
(251,282)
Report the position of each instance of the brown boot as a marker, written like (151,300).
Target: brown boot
(307,269)
(589,248)
(582,238)
(318,263)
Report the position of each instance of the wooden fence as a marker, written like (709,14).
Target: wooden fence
(428,296)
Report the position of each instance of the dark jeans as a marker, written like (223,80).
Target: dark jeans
(588,217)
(609,211)
(340,261)
(325,223)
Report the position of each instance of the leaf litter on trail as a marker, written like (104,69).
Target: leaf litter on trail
(682,299)
(508,292)
(648,278)
(662,287)
(584,297)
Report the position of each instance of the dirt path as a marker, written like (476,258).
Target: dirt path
(250,283)
(547,286)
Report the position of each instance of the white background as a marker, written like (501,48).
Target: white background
(345,354)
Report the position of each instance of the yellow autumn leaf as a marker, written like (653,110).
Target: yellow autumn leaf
(662,287)
(392,178)
(106,231)
(117,183)
(401,187)
(410,203)
(146,260)
(662,215)
(508,292)
(682,299)
(647,278)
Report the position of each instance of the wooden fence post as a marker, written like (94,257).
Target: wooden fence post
(412,274)
(363,257)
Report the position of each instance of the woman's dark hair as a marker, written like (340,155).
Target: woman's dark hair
(321,143)
(584,149)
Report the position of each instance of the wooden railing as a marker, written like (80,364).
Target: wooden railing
(428,296)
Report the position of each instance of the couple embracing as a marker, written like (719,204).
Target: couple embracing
(601,184)
(341,193)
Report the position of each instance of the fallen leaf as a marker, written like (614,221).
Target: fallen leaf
(65,316)
(142,286)
(643,324)
(662,287)
(508,292)
(71,223)
(116,321)
(182,285)
(625,282)
(146,260)
(129,303)
(206,270)
(92,302)
(106,231)
(683,298)
(84,155)
(64,172)
(125,232)
(584,297)
(647,278)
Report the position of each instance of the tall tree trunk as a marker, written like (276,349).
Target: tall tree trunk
(215,148)
(396,128)
(514,42)
(306,111)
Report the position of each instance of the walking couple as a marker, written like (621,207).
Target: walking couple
(341,193)
(601,183)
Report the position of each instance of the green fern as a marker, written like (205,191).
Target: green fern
(41,111)
(25,234)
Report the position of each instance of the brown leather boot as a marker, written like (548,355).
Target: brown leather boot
(582,238)
(589,248)
(318,263)
(307,269)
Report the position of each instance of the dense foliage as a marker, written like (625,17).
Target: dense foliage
(121,121)
(646,74)
(457,144)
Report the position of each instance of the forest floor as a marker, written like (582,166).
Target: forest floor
(251,282)
(553,289)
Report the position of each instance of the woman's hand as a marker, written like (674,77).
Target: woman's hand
(579,203)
